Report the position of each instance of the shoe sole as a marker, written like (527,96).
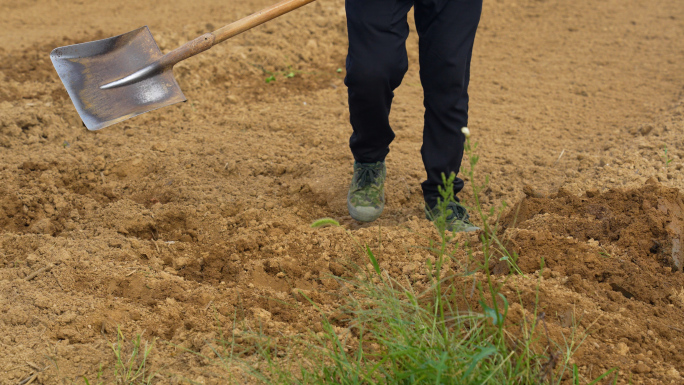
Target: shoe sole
(468,229)
(365,214)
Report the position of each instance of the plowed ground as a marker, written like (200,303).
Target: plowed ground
(182,221)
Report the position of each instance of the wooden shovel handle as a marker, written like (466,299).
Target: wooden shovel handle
(208,40)
(257,18)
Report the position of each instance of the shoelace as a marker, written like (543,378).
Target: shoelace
(367,175)
(459,212)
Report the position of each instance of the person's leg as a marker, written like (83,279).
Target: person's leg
(447,32)
(376,64)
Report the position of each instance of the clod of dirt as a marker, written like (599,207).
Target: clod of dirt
(622,349)
(645,223)
(641,368)
(337,269)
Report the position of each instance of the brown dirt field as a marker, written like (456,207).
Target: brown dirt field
(199,213)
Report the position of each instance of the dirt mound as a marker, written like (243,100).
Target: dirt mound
(620,227)
(620,252)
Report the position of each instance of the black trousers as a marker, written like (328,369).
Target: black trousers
(377,62)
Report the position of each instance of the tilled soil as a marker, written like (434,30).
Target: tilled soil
(183,221)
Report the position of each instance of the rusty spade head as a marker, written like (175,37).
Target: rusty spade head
(85,68)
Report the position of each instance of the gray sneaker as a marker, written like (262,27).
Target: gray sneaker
(457,218)
(366,197)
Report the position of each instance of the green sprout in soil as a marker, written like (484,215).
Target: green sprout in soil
(666,158)
(273,76)
(130,362)
(604,253)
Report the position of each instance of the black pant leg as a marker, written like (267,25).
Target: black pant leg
(447,32)
(376,64)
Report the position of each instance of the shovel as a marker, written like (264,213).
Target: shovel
(114,79)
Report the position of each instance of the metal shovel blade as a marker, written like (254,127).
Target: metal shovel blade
(85,67)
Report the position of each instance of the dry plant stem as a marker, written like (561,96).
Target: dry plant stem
(39,271)
(208,305)
(57,280)
(29,380)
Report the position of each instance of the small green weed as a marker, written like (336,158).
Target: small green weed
(131,368)
(130,362)
(100,372)
(273,76)
(666,157)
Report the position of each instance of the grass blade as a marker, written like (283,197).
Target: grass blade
(373,260)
